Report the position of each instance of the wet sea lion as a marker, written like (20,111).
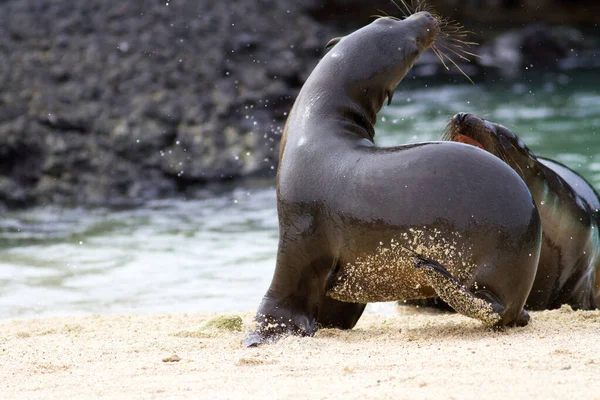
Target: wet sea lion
(569,267)
(355,219)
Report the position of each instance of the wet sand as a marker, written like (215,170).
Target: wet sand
(409,355)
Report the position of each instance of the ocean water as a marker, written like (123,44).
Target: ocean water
(217,252)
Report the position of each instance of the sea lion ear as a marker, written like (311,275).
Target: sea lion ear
(333,42)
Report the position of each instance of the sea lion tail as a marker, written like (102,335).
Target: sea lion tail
(460,298)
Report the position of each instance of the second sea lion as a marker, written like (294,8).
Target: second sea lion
(569,266)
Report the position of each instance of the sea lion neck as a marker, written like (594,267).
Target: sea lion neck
(348,87)
(355,121)
(335,97)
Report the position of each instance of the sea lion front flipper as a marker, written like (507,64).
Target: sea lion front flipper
(277,318)
(481,305)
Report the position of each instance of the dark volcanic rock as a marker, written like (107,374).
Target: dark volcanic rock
(536,47)
(113,102)
(109,102)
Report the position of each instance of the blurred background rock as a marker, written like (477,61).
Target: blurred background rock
(107,102)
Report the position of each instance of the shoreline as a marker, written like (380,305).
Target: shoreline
(411,354)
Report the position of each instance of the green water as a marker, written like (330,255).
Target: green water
(217,252)
(558,118)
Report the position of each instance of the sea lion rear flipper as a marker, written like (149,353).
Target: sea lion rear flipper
(481,305)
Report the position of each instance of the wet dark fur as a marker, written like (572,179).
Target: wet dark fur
(569,268)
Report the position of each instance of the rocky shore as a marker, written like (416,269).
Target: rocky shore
(106,102)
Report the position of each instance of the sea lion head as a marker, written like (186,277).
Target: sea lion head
(493,138)
(373,60)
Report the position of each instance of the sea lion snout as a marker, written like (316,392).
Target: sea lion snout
(464,122)
(427,17)
(466,128)
(469,122)
(460,117)
(426,36)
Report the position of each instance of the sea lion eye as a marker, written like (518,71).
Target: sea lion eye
(504,141)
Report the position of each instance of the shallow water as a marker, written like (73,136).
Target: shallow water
(217,252)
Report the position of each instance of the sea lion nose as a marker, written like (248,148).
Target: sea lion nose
(431,20)
(428,15)
(460,117)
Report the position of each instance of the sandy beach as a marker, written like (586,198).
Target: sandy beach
(409,355)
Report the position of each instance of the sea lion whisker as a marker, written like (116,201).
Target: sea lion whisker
(506,157)
(511,158)
(459,28)
(437,53)
(385,15)
(451,25)
(463,42)
(452,32)
(455,64)
(426,7)
(447,132)
(456,34)
(377,16)
(462,49)
(445,25)
(419,6)
(457,67)
(455,46)
(471,54)
(498,151)
(401,10)
(457,54)
(515,161)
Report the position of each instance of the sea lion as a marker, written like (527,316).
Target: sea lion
(355,219)
(569,266)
